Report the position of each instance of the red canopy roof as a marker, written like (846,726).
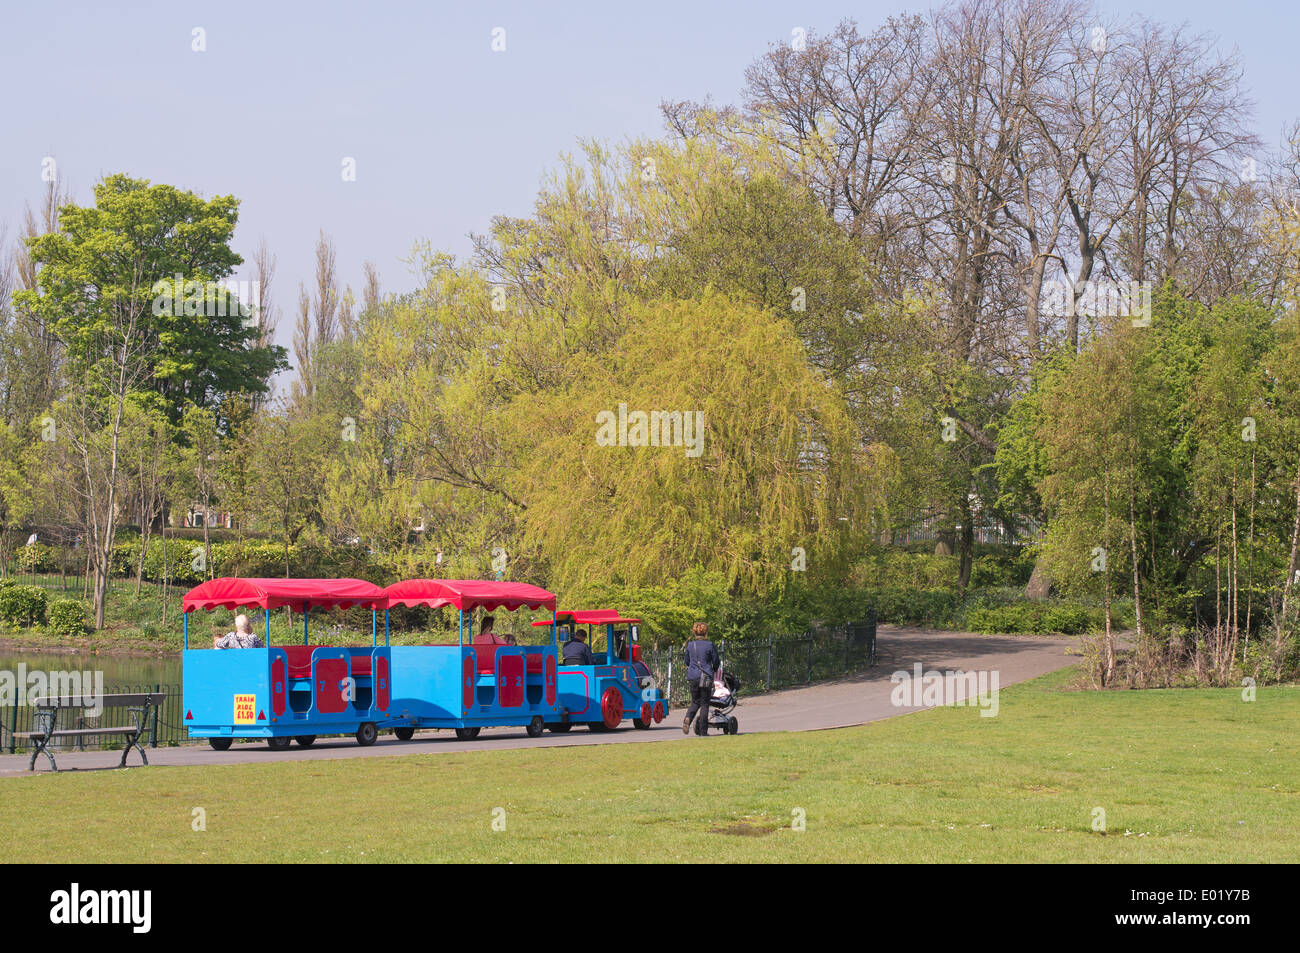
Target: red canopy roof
(589,616)
(468,594)
(229,592)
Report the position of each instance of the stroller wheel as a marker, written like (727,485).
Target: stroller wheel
(733,726)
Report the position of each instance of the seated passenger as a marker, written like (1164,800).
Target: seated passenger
(576,650)
(242,638)
(485,634)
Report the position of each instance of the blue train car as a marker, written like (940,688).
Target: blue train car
(478,683)
(616,685)
(285,692)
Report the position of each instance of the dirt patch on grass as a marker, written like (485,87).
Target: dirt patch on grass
(747,827)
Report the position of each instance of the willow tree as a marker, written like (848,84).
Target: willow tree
(706,442)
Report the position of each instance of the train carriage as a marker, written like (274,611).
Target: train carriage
(470,686)
(285,692)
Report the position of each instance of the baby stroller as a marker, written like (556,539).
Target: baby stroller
(725,689)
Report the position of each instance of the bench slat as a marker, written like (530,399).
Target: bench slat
(128,729)
(104,701)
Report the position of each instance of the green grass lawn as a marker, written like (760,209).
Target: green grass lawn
(1183,775)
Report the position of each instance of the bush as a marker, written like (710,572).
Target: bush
(22,605)
(67,617)
(37,558)
(1031,617)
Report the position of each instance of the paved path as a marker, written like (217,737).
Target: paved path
(850,701)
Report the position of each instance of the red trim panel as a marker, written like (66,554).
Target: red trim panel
(468,675)
(381,683)
(277,685)
(330,673)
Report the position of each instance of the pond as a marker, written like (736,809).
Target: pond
(119,671)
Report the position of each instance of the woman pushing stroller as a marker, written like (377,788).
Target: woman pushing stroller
(701,662)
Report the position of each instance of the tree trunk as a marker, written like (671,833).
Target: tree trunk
(1279,639)
(1132,536)
(1040,581)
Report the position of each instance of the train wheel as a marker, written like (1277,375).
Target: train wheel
(467,734)
(278,744)
(611,707)
(560,727)
(536,727)
(306,741)
(659,712)
(404,734)
(367,734)
(220,744)
(596,726)
(647,716)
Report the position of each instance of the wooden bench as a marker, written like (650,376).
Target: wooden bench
(47,727)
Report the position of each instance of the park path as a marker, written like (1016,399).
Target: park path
(854,700)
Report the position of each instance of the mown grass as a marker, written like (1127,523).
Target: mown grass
(1183,776)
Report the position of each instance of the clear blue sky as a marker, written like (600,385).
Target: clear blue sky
(445,132)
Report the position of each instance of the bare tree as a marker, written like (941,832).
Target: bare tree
(325,306)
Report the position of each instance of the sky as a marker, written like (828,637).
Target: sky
(445,132)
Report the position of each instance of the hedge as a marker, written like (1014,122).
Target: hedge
(22,605)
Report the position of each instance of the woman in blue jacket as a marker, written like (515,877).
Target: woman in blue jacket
(701,663)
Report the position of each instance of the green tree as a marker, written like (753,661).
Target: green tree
(160,253)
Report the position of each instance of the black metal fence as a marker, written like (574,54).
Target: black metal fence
(166,724)
(778,661)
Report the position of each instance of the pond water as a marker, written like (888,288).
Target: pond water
(119,671)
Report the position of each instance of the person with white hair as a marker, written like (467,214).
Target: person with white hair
(242,638)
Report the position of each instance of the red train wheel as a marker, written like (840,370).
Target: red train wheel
(659,712)
(643,721)
(611,707)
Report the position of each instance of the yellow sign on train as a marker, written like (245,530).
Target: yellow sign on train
(245,706)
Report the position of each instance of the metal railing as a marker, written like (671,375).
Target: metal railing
(166,724)
(777,661)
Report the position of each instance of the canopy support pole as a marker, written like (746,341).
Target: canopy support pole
(460,631)
(185,623)
(386,628)
(374,628)
(267,613)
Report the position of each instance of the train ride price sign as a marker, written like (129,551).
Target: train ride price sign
(244,709)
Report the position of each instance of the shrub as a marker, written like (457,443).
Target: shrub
(22,605)
(37,558)
(67,617)
(1036,618)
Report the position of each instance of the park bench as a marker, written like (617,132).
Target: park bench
(46,722)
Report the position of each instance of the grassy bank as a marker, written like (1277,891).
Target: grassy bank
(1183,776)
